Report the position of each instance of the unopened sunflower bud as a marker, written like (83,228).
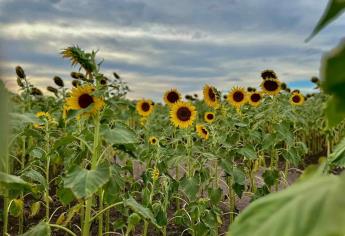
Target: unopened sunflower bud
(195,95)
(249,89)
(225,96)
(104,81)
(52,89)
(315,80)
(19,82)
(116,75)
(75,83)
(288,90)
(58,81)
(20,72)
(283,86)
(36,92)
(296,91)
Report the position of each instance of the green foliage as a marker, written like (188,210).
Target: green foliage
(42,229)
(308,208)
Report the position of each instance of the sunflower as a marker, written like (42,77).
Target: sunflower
(144,107)
(42,115)
(271,86)
(202,131)
(211,96)
(254,98)
(182,114)
(297,99)
(268,74)
(209,117)
(237,97)
(153,140)
(171,96)
(81,98)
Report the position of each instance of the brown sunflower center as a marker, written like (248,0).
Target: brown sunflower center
(211,94)
(173,97)
(210,116)
(184,114)
(204,131)
(271,85)
(296,99)
(145,106)
(85,100)
(255,97)
(153,140)
(238,96)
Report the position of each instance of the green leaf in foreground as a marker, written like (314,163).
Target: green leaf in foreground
(42,229)
(120,135)
(12,183)
(315,207)
(338,156)
(333,75)
(333,10)
(83,183)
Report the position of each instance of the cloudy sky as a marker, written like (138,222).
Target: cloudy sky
(158,44)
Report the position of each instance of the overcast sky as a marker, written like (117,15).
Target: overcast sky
(158,44)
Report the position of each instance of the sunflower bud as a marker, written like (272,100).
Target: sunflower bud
(268,74)
(36,92)
(296,91)
(104,81)
(58,81)
(116,75)
(195,95)
(225,96)
(52,89)
(288,90)
(283,86)
(20,72)
(19,82)
(76,83)
(315,80)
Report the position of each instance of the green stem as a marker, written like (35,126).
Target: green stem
(62,228)
(231,200)
(100,217)
(87,221)
(146,226)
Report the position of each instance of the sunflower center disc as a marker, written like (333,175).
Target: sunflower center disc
(210,116)
(211,94)
(85,100)
(255,97)
(296,99)
(204,131)
(238,96)
(184,114)
(172,97)
(145,107)
(270,85)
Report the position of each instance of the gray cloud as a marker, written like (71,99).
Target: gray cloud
(156,45)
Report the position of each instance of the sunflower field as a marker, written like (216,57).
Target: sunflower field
(85,160)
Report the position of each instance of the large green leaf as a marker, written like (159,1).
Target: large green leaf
(338,156)
(4,107)
(314,207)
(42,229)
(333,10)
(12,183)
(333,75)
(119,135)
(83,183)
(144,212)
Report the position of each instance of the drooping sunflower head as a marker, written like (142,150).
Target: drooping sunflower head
(237,97)
(182,114)
(202,131)
(171,96)
(211,96)
(297,99)
(82,97)
(153,140)
(209,117)
(255,98)
(268,74)
(295,91)
(144,107)
(271,86)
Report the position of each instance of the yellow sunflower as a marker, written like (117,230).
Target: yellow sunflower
(144,107)
(237,97)
(297,99)
(153,140)
(81,98)
(271,86)
(209,117)
(171,96)
(202,131)
(182,114)
(211,96)
(42,115)
(255,98)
